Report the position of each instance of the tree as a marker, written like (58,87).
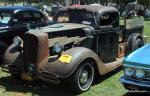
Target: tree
(145,3)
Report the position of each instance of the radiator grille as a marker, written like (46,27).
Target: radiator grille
(30,50)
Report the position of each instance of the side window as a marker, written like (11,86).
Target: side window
(38,18)
(109,18)
(23,17)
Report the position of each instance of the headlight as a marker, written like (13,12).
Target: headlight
(58,47)
(140,73)
(17,40)
(129,71)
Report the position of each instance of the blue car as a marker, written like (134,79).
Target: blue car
(137,70)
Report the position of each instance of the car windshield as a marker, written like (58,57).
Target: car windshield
(5,18)
(76,17)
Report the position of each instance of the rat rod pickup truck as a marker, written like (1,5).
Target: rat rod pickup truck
(86,40)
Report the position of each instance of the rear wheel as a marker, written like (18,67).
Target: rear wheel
(133,44)
(138,43)
(82,78)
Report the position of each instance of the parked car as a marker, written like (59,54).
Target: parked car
(15,21)
(86,41)
(136,70)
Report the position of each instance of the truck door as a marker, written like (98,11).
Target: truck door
(108,36)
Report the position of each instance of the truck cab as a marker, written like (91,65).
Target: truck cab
(106,22)
(86,40)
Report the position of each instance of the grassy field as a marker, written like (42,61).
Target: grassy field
(105,86)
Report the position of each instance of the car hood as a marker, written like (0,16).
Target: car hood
(139,57)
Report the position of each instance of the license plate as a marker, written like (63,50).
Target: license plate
(27,76)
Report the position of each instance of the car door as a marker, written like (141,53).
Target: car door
(108,36)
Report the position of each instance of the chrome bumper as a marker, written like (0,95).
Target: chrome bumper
(133,84)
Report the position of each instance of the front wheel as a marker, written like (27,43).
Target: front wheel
(82,78)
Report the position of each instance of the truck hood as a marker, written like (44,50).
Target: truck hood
(140,57)
(59,27)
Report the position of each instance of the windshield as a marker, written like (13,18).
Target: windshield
(5,18)
(76,17)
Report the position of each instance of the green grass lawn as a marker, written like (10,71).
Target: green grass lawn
(147,29)
(106,86)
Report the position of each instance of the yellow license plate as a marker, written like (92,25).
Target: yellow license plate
(27,76)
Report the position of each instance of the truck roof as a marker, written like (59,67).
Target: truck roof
(90,8)
(59,27)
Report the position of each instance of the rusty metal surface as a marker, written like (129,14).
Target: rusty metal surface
(89,8)
(59,27)
(65,40)
(50,69)
(11,54)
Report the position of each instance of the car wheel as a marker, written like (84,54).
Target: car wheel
(138,43)
(133,44)
(82,78)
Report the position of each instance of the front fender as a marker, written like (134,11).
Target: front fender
(64,70)
(10,54)
(13,56)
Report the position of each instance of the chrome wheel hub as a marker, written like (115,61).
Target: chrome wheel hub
(84,77)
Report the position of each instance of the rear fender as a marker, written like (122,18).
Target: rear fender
(131,39)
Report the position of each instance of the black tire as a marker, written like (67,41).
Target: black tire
(82,78)
(3,47)
(133,44)
(138,44)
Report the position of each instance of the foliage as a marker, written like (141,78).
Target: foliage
(144,2)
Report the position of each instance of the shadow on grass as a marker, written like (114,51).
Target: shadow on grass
(100,79)
(37,88)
